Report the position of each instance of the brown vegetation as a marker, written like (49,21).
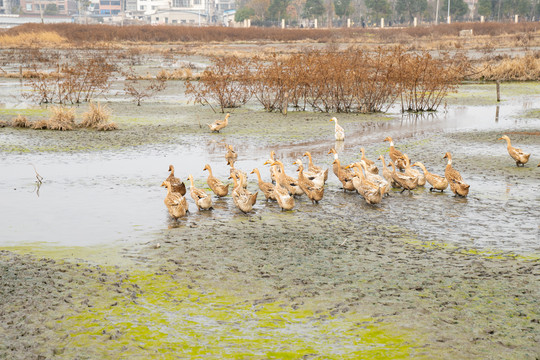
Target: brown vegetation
(140,89)
(61,118)
(222,83)
(97,117)
(65,77)
(525,68)
(355,80)
(21,121)
(90,35)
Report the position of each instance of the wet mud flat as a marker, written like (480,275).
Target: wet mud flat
(422,275)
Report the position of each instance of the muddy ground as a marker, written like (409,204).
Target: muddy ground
(422,275)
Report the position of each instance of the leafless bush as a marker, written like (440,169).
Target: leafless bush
(70,77)
(424,80)
(354,80)
(222,83)
(140,89)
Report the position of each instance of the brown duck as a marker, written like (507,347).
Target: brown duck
(395,155)
(219,124)
(518,155)
(266,187)
(215,184)
(177,185)
(457,185)
(176,204)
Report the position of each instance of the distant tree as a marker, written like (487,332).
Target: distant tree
(521,7)
(278,9)
(411,8)
(486,7)
(343,8)
(458,8)
(313,9)
(379,8)
(243,13)
(260,8)
(298,7)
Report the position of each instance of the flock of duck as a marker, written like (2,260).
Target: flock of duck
(362,176)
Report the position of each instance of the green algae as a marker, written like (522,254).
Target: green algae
(488,254)
(89,254)
(31,113)
(166,318)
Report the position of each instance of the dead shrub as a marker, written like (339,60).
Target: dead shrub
(66,77)
(61,118)
(140,89)
(21,122)
(222,83)
(354,80)
(425,80)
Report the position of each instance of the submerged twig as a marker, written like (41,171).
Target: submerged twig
(38,177)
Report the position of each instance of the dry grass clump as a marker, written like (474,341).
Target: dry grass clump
(21,122)
(4,123)
(177,74)
(42,124)
(61,118)
(97,117)
(525,68)
(32,39)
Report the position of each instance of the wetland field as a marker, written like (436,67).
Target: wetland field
(93,267)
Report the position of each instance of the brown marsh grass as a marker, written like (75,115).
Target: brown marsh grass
(524,68)
(97,117)
(32,39)
(21,122)
(89,35)
(61,118)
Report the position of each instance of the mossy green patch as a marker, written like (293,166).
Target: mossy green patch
(167,318)
(489,254)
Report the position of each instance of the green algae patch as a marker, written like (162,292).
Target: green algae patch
(488,254)
(90,254)
(167,318)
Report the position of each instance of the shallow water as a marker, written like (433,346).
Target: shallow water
(103,196)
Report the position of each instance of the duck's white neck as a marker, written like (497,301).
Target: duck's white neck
(391,143)
(335,156)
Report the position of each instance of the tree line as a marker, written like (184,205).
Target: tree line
(368,12)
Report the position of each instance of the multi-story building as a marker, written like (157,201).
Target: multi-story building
(37,7)
(6,6)
(109,7)
(149,7)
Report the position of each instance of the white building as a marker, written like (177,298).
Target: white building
(149,7)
